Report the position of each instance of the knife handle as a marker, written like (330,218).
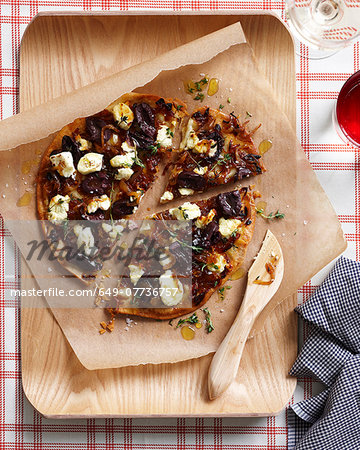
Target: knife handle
(225,363)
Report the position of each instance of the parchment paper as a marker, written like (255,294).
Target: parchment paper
(31,126)
(288,185)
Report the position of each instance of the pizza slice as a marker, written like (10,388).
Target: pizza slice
(221,230)
(216,150)
(99,167)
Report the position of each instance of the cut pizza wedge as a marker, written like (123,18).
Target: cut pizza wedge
(221,230)
(216,150)
(99,167)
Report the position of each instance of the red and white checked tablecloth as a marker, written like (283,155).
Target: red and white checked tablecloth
(337,167)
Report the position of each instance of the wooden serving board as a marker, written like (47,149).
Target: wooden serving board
(60,53)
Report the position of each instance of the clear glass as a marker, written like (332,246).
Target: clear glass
(326,26)
(346,113)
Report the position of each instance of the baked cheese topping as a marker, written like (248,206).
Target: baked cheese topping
(164,136)
(64,163)
(189,136)
(103,203)
(202,221)
(123,115)
(136,272)
(85,238)
(83,144)
(89,163)
(166,197)
(201,170)
(186,191)
(124,173)
(126,160)
(228,226)
(187,211)
(127,148)
(58,208)
(113,230)
(192,142)
(173,291)
(165,259)
(205,146)
(216,263)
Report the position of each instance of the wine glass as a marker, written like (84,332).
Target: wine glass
(326,26)
(346,114)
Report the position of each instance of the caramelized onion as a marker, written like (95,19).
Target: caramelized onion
(103,129)
(270,267)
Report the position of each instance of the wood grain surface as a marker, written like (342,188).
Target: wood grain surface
(225,363)
(60,53)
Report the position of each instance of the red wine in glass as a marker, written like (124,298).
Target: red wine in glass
(347,111)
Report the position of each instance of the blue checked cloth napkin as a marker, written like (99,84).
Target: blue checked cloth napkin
(331,354)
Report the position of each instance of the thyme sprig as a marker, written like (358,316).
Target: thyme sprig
(123,119)
(192,319)
(138,161)
(197,87)
(271,215)
(209,323)
(222,292)
(196,162)
(225,159)
(200,96)
(154,148)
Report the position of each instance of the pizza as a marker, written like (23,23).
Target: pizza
(99,167)
(221,230)
(216,149)
(96,171)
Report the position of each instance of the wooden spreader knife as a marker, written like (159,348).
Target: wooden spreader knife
(264,278)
